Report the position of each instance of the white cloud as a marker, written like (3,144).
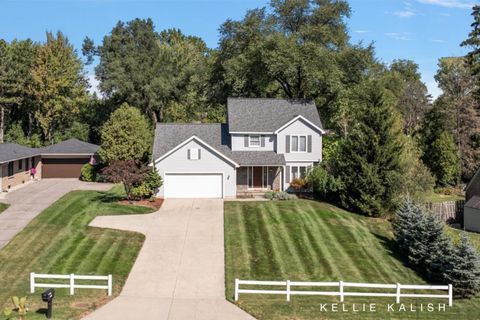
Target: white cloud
(404,14)
(437,40)
(403,36)
(462,4)
(361,31)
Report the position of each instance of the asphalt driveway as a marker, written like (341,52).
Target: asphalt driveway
(179,273)
(27,202)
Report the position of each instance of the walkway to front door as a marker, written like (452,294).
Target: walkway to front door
(179,273)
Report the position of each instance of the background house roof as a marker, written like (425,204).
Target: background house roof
(474,202)
(268,115)
(168,136)
(70,146)
(13,151)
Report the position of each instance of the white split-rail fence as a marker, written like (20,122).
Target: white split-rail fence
(341,292)
(71,282)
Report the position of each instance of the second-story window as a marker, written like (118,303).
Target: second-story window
(299,144)
(254,141)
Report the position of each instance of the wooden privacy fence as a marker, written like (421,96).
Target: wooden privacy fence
(71,282)
(341,289)
(447,211)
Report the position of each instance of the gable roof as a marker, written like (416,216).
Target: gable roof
(70,146)
(13,151)
(474,202)
(169,135)
(268,115)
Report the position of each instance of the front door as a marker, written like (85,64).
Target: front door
(257,177)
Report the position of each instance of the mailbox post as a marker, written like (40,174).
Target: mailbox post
(48,296)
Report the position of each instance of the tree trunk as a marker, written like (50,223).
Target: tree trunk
(2,122)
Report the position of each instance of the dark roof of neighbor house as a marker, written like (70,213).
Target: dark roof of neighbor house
(168,136)
(474,202)
(13,151)
(268,115)
(70,146)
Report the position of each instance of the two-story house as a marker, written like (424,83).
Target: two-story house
(265,144)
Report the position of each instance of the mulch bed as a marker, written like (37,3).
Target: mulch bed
(156,204)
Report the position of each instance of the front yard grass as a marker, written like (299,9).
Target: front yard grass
(312,241)
(60,241)
(3,206)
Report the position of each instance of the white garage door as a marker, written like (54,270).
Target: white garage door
(193,186)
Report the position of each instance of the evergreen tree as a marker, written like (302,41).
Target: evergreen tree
(473,41)
(406,218)
(369,159)
(125,136)
(463,269)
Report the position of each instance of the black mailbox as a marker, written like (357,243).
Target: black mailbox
(48,296)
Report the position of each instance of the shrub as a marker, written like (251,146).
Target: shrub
(147,188)
(88,173)
(269,195)
(279,195)
(324,185)
(298,184)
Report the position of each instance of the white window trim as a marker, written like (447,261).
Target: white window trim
(307,170)
(298,144)
(194,153)
(250,141)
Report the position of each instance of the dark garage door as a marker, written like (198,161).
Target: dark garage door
(62,167)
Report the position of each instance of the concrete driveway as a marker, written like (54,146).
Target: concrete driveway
(179,273)
(27,202)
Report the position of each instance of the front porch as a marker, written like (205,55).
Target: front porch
(256,180)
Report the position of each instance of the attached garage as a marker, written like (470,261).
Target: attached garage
(62,167)
(193,185)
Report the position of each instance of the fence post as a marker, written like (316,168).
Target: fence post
(288,290)
(236,289)
(110,284)
(398,293)
(450,295)
(72,284)
(340,284)
(32,282)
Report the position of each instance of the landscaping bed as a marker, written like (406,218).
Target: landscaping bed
(155,204)
(305,240)
(59,241)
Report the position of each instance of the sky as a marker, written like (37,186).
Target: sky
(420,30)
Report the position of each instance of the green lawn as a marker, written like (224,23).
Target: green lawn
(59,241)
(437,197)
(307,240)
(3,206)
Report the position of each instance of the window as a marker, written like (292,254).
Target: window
(194,154)
(299,144)
(26,164)
(254,141)
(32,162)
(10,169)
(299,172)
(20,164)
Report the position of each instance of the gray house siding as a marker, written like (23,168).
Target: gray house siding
(210,162)
(300,127)
(471,218)
(240,143)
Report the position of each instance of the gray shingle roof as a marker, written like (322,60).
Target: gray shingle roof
(70,146)
(268,115)
(13,151)
(168,136)
(474,202)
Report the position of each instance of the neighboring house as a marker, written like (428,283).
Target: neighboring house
(61,160)
(471,211)
(265,144)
